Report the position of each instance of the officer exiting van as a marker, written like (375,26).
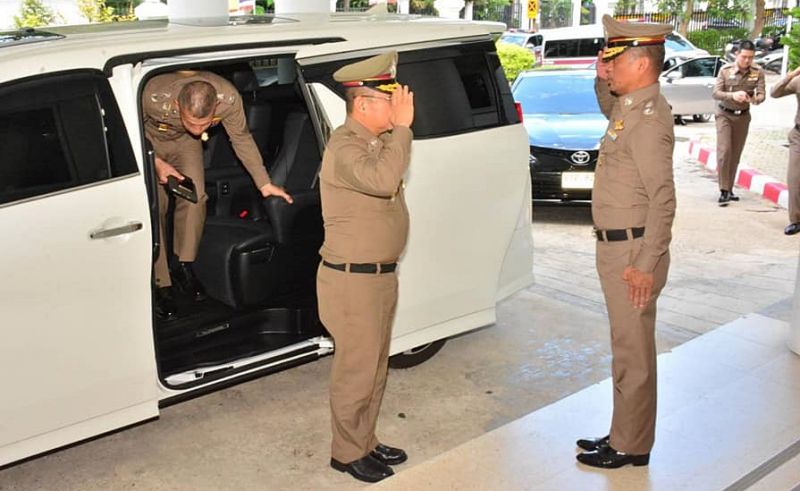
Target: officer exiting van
(366,227)
(178,109)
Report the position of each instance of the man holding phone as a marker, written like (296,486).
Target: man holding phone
(178,109)
(738,85)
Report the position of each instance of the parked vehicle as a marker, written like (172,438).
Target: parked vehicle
(531,40)
(688,87)
(82,351)
(578,46)
(564,124)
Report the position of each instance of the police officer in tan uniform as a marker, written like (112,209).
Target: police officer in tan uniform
(178,109)
(738,85)
(790,84)
(633,205)
(366,226)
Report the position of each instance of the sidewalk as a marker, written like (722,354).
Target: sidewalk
(747,177)
(727,419)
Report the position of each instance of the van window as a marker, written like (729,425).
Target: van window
(573,48)
(457,89)
(60,132)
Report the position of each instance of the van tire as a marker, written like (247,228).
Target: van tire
(415,356)
(701,118)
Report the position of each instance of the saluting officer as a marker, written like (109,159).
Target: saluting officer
(178,109)
(633,205)
(738,85)
(366,226)
(790,84)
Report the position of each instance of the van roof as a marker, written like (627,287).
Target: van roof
(99,46)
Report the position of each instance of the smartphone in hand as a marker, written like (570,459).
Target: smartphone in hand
(183,189)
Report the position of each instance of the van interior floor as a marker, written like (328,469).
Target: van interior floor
(213,333)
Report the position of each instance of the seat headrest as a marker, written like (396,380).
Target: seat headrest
(245,80)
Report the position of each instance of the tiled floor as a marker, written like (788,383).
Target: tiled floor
(729,401)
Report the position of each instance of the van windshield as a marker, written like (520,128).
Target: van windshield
(570,93)
(513,39)
(677,43)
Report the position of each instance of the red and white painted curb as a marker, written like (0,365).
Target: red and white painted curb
(750,179)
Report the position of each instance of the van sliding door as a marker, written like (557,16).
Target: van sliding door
(467,189)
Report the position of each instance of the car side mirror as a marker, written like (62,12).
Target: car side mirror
(674,75)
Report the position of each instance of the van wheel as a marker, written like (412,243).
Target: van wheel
(701,118)
(415,356)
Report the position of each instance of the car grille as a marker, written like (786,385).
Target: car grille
(551,159)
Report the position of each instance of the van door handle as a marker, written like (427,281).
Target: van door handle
(113,232)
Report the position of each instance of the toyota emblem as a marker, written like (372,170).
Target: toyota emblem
(580,157)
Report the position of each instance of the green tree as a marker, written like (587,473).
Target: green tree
(624,7)
(96,10)
(555,13)
(34,13)
(793,40)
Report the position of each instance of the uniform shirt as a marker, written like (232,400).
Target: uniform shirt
(788,86)
(731,79)
(633,183)
(162,120)
(366,220)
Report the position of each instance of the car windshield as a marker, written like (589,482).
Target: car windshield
(676,43)
(557,94)
(512,39)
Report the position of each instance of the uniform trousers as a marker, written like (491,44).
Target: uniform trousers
(731,137)
(185,153)
(793,176)
(358,310)
(633,349)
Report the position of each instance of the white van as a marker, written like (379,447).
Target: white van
(577,47)
(82,352)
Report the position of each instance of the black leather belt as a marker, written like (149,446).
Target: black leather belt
(619,234)
(368,268)
(733,111)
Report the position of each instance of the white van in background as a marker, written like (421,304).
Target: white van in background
(578,46)
(82,352)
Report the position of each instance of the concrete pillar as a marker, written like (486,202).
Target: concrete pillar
(576,12)
(403,6)
(302,6)
(794,328)
(468,10)
(449,9)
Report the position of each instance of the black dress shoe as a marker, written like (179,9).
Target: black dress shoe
(165,307)
(732,196)
(608,458)
(592,443)
(792,228)
(188,283)
(365,469)
(724,198)
(389,455)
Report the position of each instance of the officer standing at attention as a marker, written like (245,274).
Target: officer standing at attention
(633,205)
(790,84)
(366,226)
(178,109)
(738,85)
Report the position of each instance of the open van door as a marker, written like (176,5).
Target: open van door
(468,187)
(75,307)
